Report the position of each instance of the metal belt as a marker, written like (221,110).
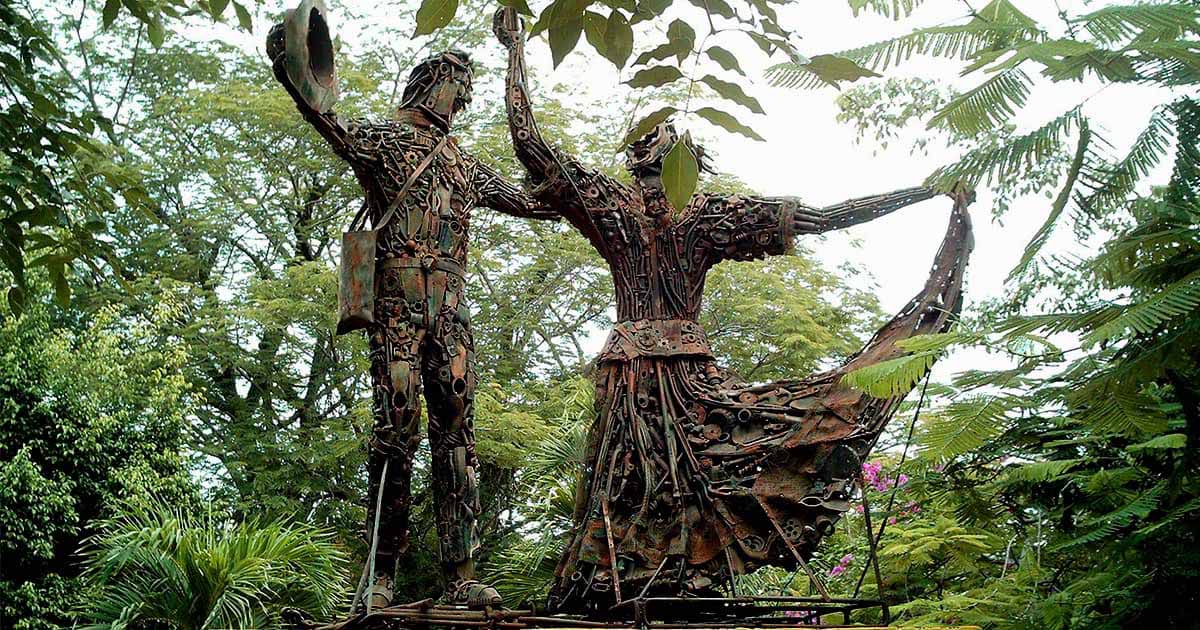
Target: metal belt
(428,263)
(655,338)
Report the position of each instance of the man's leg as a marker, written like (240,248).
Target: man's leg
(450,392)
(395,375)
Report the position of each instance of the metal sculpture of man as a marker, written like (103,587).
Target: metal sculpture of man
(419,191)
(691,475)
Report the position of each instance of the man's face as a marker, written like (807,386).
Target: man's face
(451,89)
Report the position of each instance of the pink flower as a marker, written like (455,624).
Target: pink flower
(892,521)
(858,508)
(848,558)
(837,570)
(902,480)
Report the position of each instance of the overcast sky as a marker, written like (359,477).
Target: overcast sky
(810,155)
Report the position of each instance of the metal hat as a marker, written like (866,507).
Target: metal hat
(309,51)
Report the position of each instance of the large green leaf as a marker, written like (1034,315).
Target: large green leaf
(733,92)
(655,77)
(680,174)
(727,122)
(434,14)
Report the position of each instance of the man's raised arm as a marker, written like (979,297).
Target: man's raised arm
(326,123)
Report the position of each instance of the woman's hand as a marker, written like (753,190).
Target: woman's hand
(508,27)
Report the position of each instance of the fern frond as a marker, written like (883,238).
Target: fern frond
(1171,517)
(1169,441)
(1060,203)
(1109,412)
(1037,471)
(894,377)
(1115,24)
(1010,159)
(988,105)
(1106,525)
(965,425)
(961,42)
(894,9)
(1112,184)
(1150,314)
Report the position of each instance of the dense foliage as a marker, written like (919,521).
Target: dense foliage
(169,239)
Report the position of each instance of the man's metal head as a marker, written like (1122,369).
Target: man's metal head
(440,87)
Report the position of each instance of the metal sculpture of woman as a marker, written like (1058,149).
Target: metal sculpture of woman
(693,476)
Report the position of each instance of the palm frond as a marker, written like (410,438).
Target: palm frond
(894,377)
(965,425)
(1011,158)
(1060,203)
(987,105)
(1148,315)
(1115,24)
(1111,184)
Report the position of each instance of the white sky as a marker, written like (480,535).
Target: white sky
(809,154)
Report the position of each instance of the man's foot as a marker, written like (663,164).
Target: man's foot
(380,595)
(472,594)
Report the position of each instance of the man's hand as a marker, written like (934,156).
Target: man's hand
(276,42)
(277,53)
(508,27)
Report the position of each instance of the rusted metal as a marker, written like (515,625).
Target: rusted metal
(419,327)
(693,476)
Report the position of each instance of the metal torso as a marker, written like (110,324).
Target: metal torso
(433,221)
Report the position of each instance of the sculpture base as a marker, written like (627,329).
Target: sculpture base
(642,614)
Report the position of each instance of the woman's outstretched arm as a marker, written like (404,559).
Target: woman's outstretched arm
(745,227)
(856,211)
(549,170)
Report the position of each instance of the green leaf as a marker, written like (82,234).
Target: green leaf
(558,14)
(612,37)
(987,106)
(733,92)
(655,77)
(964,425)
(682,37)
(894,377)
(619,39)
(727,122)
(111,9)
(680,174)
(563,39)
(649,9)
(243,16)
(833,70)
(715,7)
(156,33)
(643,127)
(434,15)
(62,290)
(725,59)
(1060,203)
(217,7)
(1168,441)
